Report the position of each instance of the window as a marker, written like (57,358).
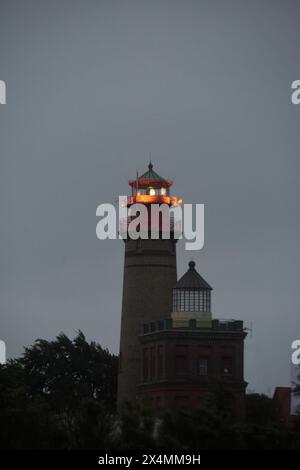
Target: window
(158,403)
(180,364)
(203,366)
(227,365)
(151,191)
(181,360)
(152,363)
(192,300)
(159,361)
(145,365)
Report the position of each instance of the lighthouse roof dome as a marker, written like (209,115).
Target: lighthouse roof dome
(151,178)
(192,279)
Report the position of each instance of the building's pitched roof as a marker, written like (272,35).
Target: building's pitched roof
(192,280)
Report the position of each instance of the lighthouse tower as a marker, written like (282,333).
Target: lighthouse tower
(150,272)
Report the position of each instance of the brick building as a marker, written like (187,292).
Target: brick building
(183,357)
(282,401)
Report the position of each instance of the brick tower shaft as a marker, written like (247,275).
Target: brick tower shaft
(149,274)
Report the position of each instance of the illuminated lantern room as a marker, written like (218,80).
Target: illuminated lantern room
(151,188)
(192,293)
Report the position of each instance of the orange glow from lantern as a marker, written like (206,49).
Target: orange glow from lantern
(157,199)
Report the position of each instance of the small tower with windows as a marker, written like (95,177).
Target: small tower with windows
(192,300)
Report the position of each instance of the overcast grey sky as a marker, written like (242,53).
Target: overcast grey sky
(93,86)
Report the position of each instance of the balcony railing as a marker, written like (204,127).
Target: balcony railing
(217,325)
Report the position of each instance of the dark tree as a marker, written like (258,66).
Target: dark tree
(67,372)
(60,394)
